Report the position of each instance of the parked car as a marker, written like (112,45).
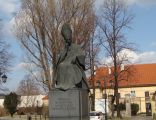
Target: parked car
(94,115)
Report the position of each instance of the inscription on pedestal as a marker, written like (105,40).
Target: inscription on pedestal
(64,104)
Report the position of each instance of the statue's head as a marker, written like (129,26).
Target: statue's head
(66,33)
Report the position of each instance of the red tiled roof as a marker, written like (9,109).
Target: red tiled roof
(143,75)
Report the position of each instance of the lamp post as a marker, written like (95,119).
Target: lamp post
(37,107)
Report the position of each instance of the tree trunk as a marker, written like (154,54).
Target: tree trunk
(112,105)
(117,102)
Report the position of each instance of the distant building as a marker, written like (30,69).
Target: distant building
(2,96)
(45,101)
(31,101)
(140,86)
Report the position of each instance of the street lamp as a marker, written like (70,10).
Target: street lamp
(3,77)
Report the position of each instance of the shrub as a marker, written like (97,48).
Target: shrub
(134,108)
(122,107)
(10,103)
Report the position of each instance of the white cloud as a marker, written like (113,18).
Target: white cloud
(8,27)
(147,57)
(135,58)
(9,6)
(23,66)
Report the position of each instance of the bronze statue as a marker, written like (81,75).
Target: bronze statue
(71,64)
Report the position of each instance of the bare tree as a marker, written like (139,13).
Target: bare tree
(38,29)
(28,87)
(92,62)
(113,19)
(5,56)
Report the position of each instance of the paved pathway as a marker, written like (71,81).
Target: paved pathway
(141,117)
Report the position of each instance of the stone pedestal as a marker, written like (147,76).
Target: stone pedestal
(68,105)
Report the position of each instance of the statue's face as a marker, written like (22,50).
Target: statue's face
(67,35)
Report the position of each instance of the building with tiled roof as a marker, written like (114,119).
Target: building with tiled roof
(143,75)
(140,85)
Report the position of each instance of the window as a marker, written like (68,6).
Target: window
(147,94)
(132,93)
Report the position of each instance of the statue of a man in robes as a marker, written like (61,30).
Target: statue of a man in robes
(71,64)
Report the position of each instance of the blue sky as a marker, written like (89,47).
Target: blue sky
(143,33)
(144,26)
